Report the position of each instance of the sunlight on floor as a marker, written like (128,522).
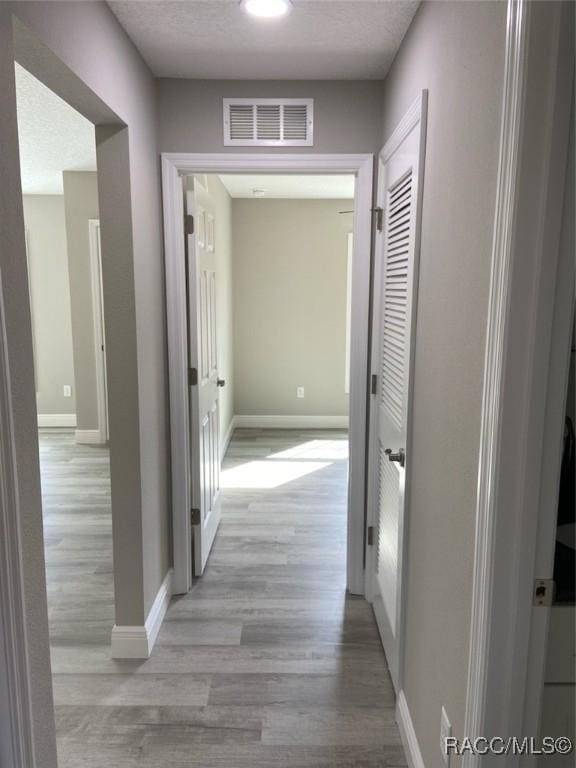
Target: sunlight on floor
(315,449)
(268,474)
(285,466)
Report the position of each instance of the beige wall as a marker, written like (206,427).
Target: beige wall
(50,297)
(81,204)
(456,51)
(290,268)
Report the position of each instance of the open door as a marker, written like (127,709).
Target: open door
(203,372)
(393,332)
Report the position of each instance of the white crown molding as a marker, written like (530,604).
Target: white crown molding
(137,642)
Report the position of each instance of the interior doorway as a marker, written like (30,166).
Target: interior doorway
(61,215)
(192,360)
(269,272)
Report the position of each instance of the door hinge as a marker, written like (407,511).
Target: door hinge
(195,516)
(379,217)
(192,377)
(189,224)
(373,384)
(370,535)
(544,592)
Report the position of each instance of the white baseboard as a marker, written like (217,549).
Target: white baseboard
(55,420)
(136,642)
(88,436)
(407,733)
(291,422)
(227,437)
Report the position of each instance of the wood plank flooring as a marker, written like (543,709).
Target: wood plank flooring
(265,664)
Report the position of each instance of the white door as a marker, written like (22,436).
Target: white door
(399,185)
(203,380)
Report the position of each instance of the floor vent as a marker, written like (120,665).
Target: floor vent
(268,122)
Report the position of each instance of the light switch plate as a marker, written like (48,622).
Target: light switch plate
(299,392)
(67,390)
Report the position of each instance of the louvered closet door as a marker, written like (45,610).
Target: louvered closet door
(203,391)
(393,337)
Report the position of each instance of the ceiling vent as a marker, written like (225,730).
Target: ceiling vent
(268,122)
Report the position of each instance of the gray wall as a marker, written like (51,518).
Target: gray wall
(290,268)
(62,44)
(81,204)
(347,114)
(50,297)
(456,51)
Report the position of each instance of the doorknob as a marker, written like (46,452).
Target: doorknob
(220,382)
(400,457)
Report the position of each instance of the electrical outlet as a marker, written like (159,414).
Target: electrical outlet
(67,390)
(445,733)
(300,392)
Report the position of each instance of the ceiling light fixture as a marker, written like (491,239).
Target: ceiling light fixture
(259,192)
(266,9)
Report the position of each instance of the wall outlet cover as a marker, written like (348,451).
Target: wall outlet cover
(300,392)
(445,732)
(67,390)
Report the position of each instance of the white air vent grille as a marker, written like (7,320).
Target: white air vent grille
(268,122)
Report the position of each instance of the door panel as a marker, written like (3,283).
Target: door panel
(393,332)
(204,412)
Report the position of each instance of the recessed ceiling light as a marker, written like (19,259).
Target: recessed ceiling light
(266,9)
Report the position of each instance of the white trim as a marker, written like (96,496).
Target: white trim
(225,442)
(408,733)
(137,642)
(175,165)
(97,296)
(16,735)
(523,275)
(88,436)
(290,422)
(57,420)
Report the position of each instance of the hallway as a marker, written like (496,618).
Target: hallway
(266,662)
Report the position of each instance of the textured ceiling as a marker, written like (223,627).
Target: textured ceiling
(316,40)
(298,187)
(53,137)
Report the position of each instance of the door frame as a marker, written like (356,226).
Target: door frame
(97,294)
(507,643)
(415,115)
(175,165)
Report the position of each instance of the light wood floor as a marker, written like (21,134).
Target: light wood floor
(265,664)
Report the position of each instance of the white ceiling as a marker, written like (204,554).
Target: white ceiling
(53,137)
(297,187)
(316,40)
